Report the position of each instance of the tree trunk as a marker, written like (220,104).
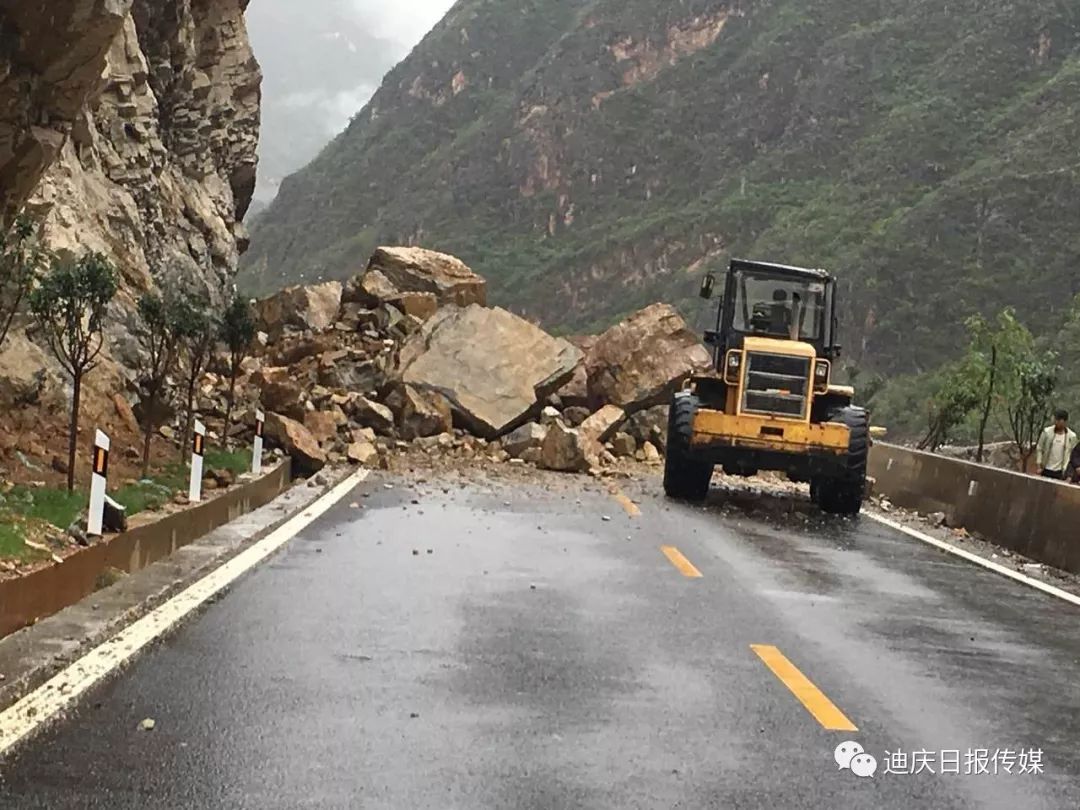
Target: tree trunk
(73,427)
(987,405)
(229,406)
(189,418)
(148,435)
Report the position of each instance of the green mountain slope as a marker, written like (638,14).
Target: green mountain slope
(589,156)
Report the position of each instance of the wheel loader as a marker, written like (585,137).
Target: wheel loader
(769,402)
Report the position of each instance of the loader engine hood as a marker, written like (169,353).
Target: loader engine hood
(792,348)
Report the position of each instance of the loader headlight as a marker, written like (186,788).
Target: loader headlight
(733,366)
(821,376)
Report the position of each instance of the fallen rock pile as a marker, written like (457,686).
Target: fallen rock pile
(408,352)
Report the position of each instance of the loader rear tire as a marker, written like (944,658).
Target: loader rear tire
(843,494)
(685,478)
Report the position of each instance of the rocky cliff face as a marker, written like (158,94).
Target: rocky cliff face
(130,127)
(127,127)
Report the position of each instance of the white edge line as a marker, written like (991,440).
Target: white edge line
(65,688)
(975,558)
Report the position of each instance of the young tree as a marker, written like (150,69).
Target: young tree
(199,329)
(995,352)
(956,397)
(159,335)
(21,260)
(70,304)
(237,332)
(1036,382)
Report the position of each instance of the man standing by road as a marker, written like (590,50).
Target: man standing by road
(1055,447)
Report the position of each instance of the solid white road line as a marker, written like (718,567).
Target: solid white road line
(64,689)
(975,558)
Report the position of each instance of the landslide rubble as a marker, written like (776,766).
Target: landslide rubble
(408,355)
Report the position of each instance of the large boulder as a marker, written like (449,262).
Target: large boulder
(623,445)
(650,426)
(525,438)
(369,289)
(420,305)
(362,452)
(323,425)
(602,425)
(348,371)
(27,375)
(292,351)
(284,396)
(368,413)
(564,450)
(296,440)
(420,414)
(576,392)
(642,361)
(412,269)
(315,308)
(495,368)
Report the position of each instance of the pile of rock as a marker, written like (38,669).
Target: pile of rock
(409,352)
(619,394)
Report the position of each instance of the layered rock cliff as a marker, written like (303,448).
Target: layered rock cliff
(130,127)
(127,127)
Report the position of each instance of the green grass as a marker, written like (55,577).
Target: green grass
(150,495)
(157,491)
(14,529)
(236,462)
(56,506)
(60,507)
(11,539)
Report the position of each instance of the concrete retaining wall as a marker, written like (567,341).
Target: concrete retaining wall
(1032,516)
(25,600)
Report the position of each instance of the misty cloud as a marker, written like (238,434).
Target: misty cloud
(404,23)
(322,60)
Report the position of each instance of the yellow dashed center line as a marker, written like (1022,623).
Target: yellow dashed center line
(628,505)
(823,709)
(686,568)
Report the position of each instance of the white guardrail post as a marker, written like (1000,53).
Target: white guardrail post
(98,480)
(198,448)
(256,453)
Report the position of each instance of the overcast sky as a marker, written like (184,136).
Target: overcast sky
(403,21)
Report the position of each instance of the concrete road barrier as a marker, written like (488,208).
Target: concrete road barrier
(25,600)
(1032,516)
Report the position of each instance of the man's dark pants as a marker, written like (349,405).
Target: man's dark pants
(1057,476)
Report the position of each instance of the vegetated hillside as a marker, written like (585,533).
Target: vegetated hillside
(589,156)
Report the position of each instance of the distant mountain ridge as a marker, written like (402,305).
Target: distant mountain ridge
(591,156)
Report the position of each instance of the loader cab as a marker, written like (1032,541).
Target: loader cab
(774,301)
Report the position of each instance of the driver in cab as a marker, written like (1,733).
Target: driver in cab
(781,317)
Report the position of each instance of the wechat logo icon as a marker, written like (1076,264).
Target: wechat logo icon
(852,756)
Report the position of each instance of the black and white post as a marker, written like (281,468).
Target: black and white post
(98,480)
(198,449)
(256,457)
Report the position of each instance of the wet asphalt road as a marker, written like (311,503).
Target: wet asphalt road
(541,657)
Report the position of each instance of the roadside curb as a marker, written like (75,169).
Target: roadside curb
(29,657)
(28,599)
(974,558)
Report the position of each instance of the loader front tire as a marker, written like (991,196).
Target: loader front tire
(685,478)
(843,494)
